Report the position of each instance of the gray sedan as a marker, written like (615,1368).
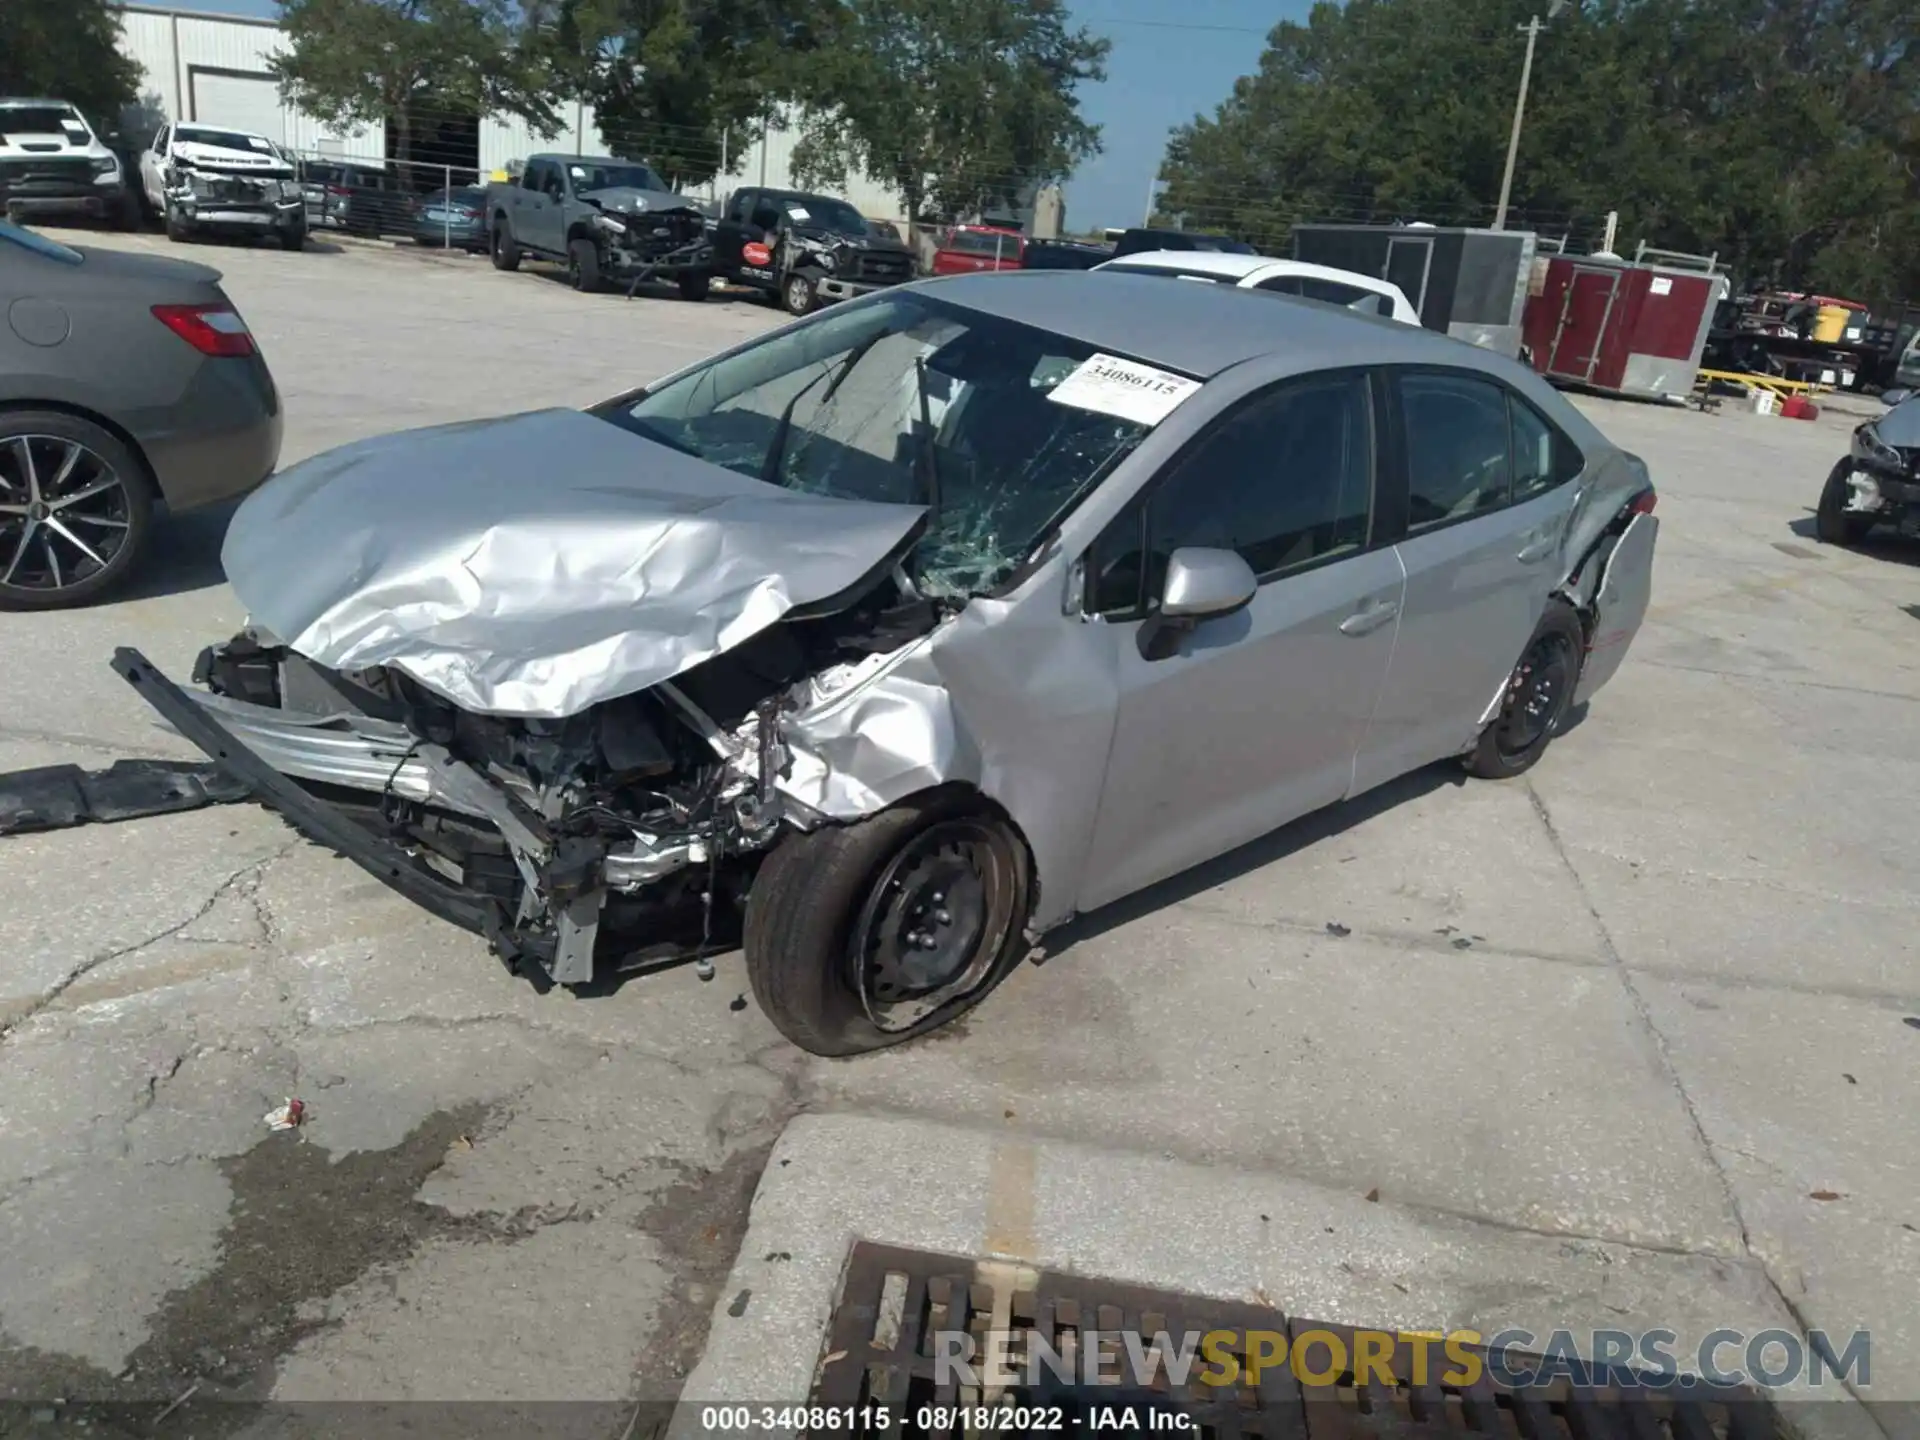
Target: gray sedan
(127,381)
(893,639)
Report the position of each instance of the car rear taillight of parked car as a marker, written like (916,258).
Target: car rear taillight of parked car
(1643,503)
(211,329)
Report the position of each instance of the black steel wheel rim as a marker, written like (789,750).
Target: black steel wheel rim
(935,922)
(1537,694)
(65,514)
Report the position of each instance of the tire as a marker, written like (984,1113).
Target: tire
(798,294)
(506,254)
(694,285)
(178,230)
(293,239)
(1831,522)
(825,904)
(127,215)
(110,524)
(583,265)
(1539,695)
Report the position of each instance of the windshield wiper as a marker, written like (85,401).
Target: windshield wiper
(777,448)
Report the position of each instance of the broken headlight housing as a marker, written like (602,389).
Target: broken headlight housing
(1867,445)
(610,225)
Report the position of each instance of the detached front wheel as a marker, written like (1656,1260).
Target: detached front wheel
(867,935)
(1538,696)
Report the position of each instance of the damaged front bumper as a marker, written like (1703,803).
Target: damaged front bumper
(548,936)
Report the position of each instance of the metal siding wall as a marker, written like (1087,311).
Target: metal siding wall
(147,39)
(872,198)
(210,42)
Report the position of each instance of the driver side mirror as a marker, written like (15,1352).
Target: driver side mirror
(1201,584)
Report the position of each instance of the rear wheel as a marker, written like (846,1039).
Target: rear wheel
(583,265)
(1832,522)
(506,254)
(866,935)
(1539,694)
(75,509)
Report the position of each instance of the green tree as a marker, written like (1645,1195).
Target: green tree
(1780,134)
(369,61)
(669,78)
(961,105)
(67,50)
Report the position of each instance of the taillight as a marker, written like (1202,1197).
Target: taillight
(1643,503)
(210,329)
(336,193)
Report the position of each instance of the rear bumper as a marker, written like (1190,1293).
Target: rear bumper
(1620,605)
(219,439)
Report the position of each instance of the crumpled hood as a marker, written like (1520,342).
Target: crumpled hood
(625,200)
(538,564)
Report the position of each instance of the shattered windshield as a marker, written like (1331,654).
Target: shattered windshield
(907,400)
(588,178)
(834,215)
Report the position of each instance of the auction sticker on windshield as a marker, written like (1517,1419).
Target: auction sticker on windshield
(1109,385)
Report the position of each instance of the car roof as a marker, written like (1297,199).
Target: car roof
(1199,330)
(24,101)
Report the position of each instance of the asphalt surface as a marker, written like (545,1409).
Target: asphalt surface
(1660,995)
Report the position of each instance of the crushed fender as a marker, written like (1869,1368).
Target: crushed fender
(58,797)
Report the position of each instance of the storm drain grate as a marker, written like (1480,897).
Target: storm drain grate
(914,1336)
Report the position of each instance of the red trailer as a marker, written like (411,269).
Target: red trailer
(1633,327)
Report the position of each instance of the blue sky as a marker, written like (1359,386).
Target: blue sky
(1169,62)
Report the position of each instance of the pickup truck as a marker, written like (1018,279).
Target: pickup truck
(604,219)
(805,250)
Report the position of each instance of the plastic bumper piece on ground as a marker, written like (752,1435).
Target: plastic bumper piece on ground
(318,821)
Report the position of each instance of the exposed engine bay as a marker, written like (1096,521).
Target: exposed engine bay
(621,837)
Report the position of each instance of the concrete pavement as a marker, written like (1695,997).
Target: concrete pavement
(1635,1010)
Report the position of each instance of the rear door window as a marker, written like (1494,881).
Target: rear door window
(1543,458)
(1457,440)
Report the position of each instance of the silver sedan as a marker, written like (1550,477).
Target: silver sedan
(893,639)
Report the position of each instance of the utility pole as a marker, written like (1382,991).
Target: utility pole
(1146,219)
(1532,31)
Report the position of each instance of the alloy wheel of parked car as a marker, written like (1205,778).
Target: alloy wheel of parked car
(74,510)
(1831,522)
(866,935)
(798,294)
(1539,694)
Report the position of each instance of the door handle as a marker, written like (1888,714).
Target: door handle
(1537,551)
(1369,618)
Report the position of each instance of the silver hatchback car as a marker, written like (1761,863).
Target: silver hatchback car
(892,639)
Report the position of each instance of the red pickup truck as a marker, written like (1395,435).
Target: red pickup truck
(968,248)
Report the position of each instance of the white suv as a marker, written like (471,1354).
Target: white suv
(1365,293)
(51,162)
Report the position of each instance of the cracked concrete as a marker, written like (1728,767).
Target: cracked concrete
(1625,1019)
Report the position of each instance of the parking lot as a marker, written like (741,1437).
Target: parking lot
(1662,992)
